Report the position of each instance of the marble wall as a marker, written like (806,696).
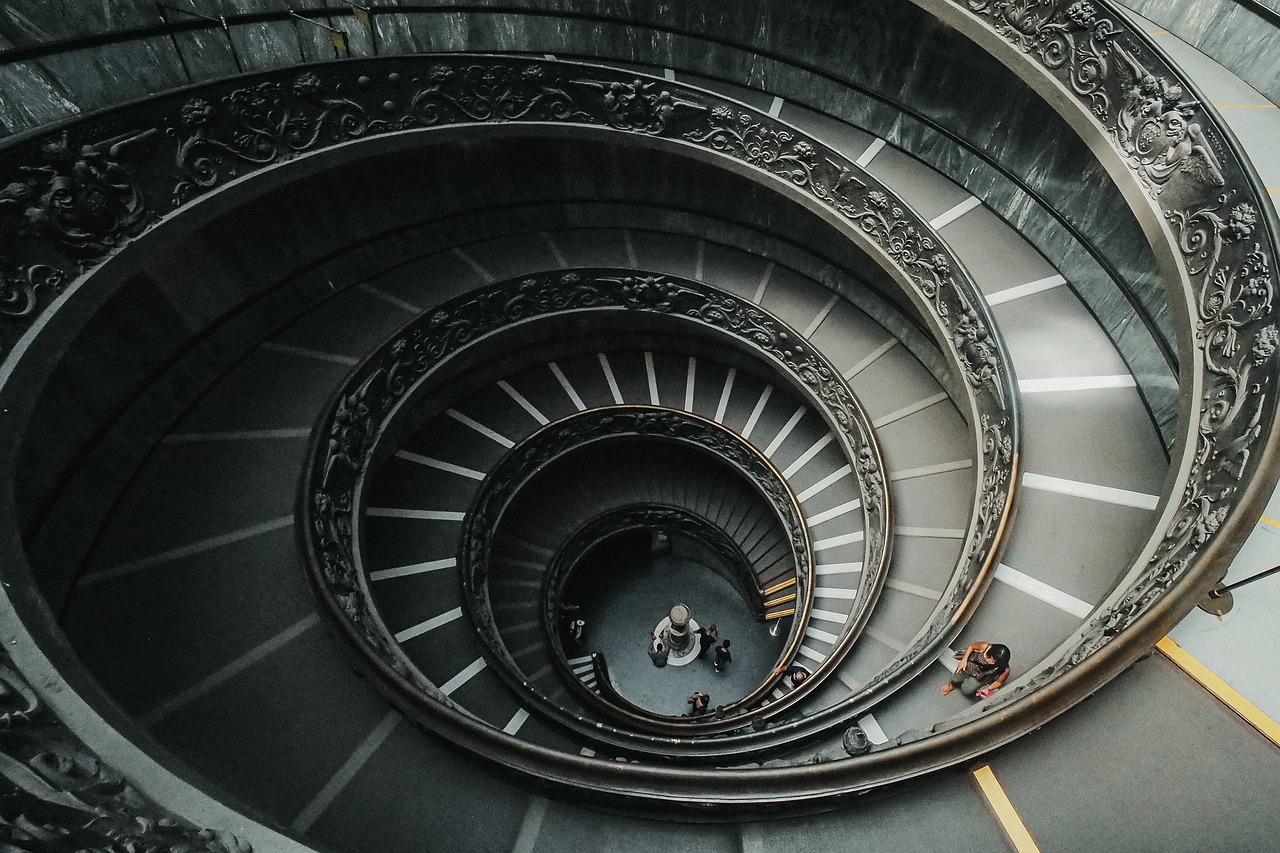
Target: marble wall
(1242,36)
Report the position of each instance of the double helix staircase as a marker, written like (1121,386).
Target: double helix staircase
(249,432)
(198,580)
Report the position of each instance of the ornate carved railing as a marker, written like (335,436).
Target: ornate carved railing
(484,527)
(734,565)
(59,795)
(79,195)
(388,382)
(75,200)
(1206,214)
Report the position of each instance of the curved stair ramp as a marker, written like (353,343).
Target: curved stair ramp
(1020,581)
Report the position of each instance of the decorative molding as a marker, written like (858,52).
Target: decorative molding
(484,524)
(374,394)
(58,795)
(1223,239)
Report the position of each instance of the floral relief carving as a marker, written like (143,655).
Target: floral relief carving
(912,248)
(640,106)
(489,92)
(261,124)
(1170,142)
(780,152)
(22,288)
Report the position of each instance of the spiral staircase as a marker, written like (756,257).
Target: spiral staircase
(335,337)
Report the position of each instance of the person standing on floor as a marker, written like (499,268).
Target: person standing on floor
(723,657)
(698,704)
(706,639)
(658,651)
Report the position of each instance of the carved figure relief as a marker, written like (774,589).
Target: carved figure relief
(85,195)
(1157,127)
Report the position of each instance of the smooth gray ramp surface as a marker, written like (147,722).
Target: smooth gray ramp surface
(848,140)
(296,388)
(353,322)
(1102,436)
(572,828)
(180,496)
(1151,763)
(928,192)
(1076,545)
(175,624)
(513,255)
(309,712)
(1051,334)
(996,256)
(669,253)
(417,794)
(944,813)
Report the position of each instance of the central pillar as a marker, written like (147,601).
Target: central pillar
(679,636)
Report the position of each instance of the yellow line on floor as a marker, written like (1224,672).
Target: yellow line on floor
(1005,813)
(1228,695)
(1271,521)
(1157,32)
(1246,106)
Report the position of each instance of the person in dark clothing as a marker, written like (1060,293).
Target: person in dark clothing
(706,639)
(576,633)
(723,657)
(698,704)
(983,669)
(794,675)
(658,651)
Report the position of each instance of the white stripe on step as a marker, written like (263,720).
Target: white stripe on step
(479,427)
(907,411)
(865,158)
(429,624)
(1029,289)
(652,376)
(913,589)
(764,283)
(784,432)
(523,402)
(1089,491)
(1041,590)
(564,383)
(609,377)
(442,466)
(822,315)
(419,514)
(755,413)
(463,677)
(930,470)
(690,378)
(951,215)
(838,569)
(813,451)
(1075,383)
(818,487)
(414,569)
(724,395)
(834,512)
(835,541)
(871,358)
